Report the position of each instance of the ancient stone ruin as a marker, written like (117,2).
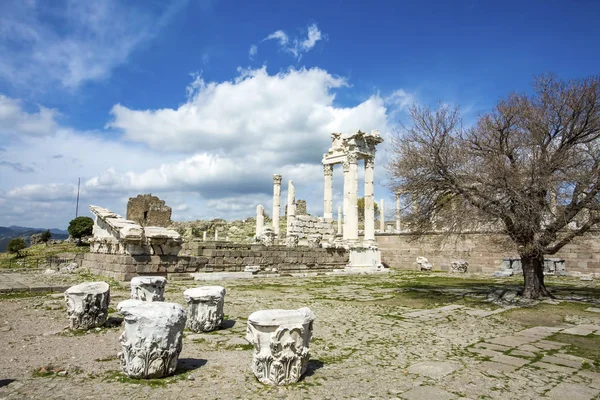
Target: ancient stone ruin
(115,235)
(148,210)
(280,339)
(152,339)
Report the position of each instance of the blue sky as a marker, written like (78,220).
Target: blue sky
(200,102)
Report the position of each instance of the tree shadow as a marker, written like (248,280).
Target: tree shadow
(313,365)
(6,382)
(189,364)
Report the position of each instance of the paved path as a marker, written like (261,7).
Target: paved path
(13,282)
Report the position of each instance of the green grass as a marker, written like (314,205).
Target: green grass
(581,346)
(21,295)
(37,256)
(545,314)
(118,376)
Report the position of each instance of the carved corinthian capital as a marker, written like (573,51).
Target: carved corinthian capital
(370,162)
(346,166)
(152,339)
(328,169)
(87,305)
(277,179)
(280,339)
(352,158)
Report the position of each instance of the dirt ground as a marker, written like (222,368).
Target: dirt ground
(402,335)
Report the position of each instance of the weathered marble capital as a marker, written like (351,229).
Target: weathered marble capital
(314,241)
(352,158)
(87,305)
(277,179)
(370,162)
(459,266)
(205,308)
(328,169)
(346,166)
(292,240)
(148,288)
(280,339)
(152,339)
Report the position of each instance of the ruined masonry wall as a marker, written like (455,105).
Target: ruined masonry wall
(217,257)
(483,251)
(148,210)
(305,225)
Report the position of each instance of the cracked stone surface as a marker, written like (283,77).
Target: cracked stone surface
(370,340)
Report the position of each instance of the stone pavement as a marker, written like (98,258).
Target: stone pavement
(14,282)
(370,341)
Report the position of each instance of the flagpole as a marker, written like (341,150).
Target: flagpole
(77,206)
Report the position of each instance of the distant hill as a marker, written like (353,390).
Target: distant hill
(11,232)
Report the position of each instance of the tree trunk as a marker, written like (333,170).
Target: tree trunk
(533,275)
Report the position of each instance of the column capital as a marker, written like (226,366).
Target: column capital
(346,166)
(352,158)
(328,169)
(370,162)
(277,179)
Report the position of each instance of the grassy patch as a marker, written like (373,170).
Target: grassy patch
(47,371)
(337,358)
(21,295)
(118,376)
(38,256)
(545,314)
(581,346)
(110,358)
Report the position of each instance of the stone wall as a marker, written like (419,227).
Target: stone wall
(200,256)
(301,207)
(483,251)
(306,225)
(148,210)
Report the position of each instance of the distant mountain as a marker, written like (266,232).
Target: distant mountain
(11,232)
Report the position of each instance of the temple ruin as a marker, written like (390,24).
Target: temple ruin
(148,210)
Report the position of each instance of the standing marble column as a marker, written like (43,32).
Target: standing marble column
(204,236)
(291,207)
(276,202)
(216,234)
(347,184)
(328,191)
(381,216)
(260,220)
(352,224)
(339,221)
(398,211)
(369,238)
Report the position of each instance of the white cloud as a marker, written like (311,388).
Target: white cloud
(297,46)
(289,113)
(314,35)
(86,41)
(280,36)
(253,51)
(15,120)
(215,153)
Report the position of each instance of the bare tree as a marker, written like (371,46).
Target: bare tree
(530,168)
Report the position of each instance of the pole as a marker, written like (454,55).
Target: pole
(77,206)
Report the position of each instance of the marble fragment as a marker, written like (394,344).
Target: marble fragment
(205,308)
(87,305)
(152,339)
(148,288)
(281,339)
